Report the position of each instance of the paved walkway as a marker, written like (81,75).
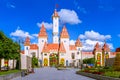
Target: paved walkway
(48,73)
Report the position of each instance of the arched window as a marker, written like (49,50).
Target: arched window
(73,55)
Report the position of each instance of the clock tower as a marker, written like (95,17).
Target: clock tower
(55,18)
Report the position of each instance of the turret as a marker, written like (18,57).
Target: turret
(42,38)
(64,38)
(98,55)
(27,45)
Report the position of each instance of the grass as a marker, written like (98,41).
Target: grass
(114,74)
(9,72)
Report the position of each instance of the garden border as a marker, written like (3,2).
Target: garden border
(96,76)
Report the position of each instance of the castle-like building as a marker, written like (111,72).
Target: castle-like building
(60,51)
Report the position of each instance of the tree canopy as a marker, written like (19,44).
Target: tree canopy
(8,48)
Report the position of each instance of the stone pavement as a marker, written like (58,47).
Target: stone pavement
(48,73)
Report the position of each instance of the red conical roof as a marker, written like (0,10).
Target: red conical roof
(64,33)
(55,14)
(78,43)
(27,41)
(97,47)
(42,32)
(62,48)
(45,48)
(106,47)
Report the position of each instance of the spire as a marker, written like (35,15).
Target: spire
(97,47)
(27,41)
(62,48)
(106,47)
(45,48)
(42,32)
(78,43)
(55,14)
(64,33)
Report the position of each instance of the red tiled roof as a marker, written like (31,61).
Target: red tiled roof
(50,47)
(27,41)
(64,33)
(106,47)
(45,48)
(22,52)
(33,46)
(62,48)
(78,43)
(97,47)
(87,53)
(42,32)
(73,47)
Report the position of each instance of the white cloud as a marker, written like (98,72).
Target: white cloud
(47,25)
(118,35)
(69,16)
(9,5)
(94,36)
(35,35)
(20,33)
(90,38)
(72,42)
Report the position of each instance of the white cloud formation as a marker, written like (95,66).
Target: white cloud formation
(20,33)
(94,36)
(69,16)
(47,25)
(72,42)
(90,38)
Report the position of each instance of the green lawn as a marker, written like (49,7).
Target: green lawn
(9,72)
(115,74)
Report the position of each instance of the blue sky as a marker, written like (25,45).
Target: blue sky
(94,20)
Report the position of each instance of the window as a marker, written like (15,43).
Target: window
(42,40)
(26,48)
(78,49)
(45,54)
(73,55)
(64,41)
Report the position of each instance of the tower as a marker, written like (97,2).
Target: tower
(98,55)
(106,53)
(78,45)
(55,18)
(27,45)
(64,38)
(42,38)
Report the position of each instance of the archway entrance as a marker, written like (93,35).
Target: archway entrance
(53,59)
(45,62)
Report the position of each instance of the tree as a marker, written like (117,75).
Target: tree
(89,61)
(34,62)
(116,64)
(8,48)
